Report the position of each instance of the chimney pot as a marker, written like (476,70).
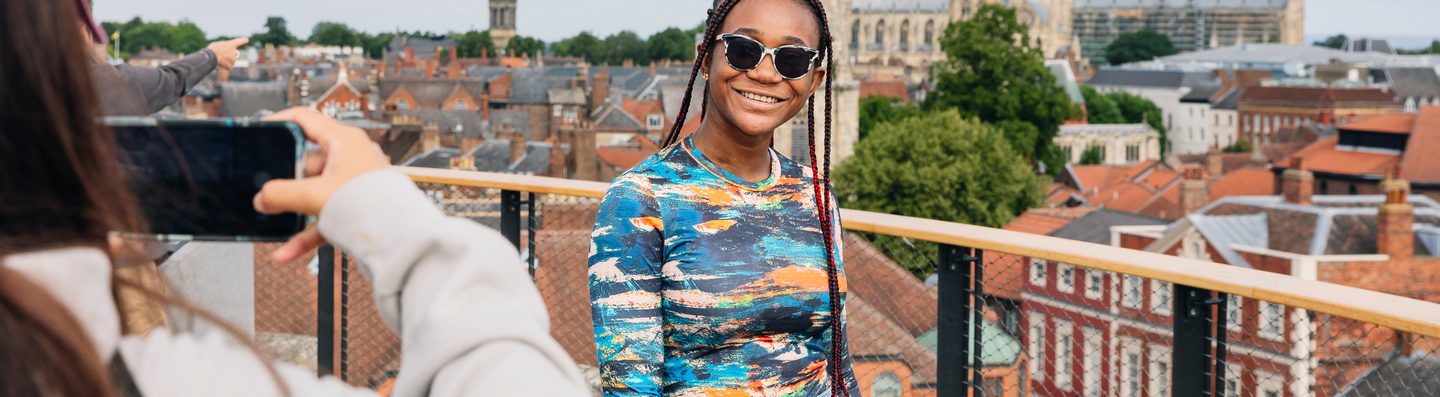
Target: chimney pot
(1395,224)
(1215,163)
(1298,186)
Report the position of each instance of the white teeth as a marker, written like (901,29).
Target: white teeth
(759,97)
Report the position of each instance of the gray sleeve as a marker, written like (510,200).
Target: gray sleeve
(470,320)
(162,86)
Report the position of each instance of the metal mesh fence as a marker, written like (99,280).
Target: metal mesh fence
(1044,328)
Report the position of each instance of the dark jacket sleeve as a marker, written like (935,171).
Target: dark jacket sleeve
(162,86)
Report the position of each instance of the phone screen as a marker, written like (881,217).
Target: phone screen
(198,179)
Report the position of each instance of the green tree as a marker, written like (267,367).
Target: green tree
(526,46)
(1336,41)
(991,72)
(938,165)
(583,45)
(671,44)
(1142,45)
(1434,48)
(1099,108)
(276,33)
(876,110)
(1091,156)
(471,44)
(335,33)
(1137,109)
(186,38)
(375,45)
(626,45)
(1240,146)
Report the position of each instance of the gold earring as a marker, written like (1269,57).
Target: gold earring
(706,76)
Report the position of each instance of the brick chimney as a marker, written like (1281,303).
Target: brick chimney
(1194,191)
(485,105)
(1298,184)
(429,138)
(1396,233)
(1215,163)
(409,54)
(652,69)
(470,143)
(601,89)
(463,162)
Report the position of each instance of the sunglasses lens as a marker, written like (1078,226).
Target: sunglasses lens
(793,63)
(743,53)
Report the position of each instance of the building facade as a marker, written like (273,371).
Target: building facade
(502,22)
(1264,111)
(1119,144)
(1191,25)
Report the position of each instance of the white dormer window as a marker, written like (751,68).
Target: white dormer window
(461,104)
(402,104)
(655,122)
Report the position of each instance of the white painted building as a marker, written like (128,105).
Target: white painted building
(1163,87)
(1120,144)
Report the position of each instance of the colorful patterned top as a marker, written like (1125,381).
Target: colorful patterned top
(745,308)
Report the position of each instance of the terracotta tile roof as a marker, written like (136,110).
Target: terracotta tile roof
(1042,221)
(622,158)
(894,89)
(896,293)
(1397,123)
(874,335)
(1323,156)
(1420,162)
(1248,181)
(1149,188)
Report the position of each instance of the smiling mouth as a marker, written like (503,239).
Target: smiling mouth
(760,98)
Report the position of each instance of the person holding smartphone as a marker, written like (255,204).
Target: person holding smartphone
(470,320)
(715,269)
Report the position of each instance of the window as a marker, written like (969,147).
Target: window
(1094,284)
(886,385)
(1064,354)
(1159,371)
(655,121)
(1160,297)
(1272,320)
(1090,372)
(1037,346)
(1069,153)
(1132,153)
(930,34)
(461,104)
(905,35)
(1130,368)
(1268,384)
(1232,311)
(402,104)
(1037,272)
(1132,297)
(1065,278)
(570,115)
(555,110)
(855,36)
(1103,158)
(1232,381)
(880,34)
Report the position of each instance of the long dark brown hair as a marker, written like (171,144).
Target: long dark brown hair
(60,186)
(820,176)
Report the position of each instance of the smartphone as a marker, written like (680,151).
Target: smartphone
(197,179)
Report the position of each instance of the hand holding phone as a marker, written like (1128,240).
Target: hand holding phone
(345,153)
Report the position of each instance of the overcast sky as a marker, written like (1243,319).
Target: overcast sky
(555,19)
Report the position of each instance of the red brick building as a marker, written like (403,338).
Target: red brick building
(1363,152)
(1264,111)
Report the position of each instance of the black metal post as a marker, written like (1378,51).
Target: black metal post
(344,318)
(1193,333)
(325,313)
(530,246)
(510,216)
(977,337)
(1222,329)
(958,322)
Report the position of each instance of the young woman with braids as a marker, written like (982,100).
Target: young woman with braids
(469,318)
(715,268)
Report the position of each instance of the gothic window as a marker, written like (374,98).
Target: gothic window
(855,36)
(930,33)
(905,35)
(880,34)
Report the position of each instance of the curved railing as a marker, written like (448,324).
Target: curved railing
(940,308)
(1401,313)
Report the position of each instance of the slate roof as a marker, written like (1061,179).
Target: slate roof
(529,87)
(612,118)
(490,156)
(1333,225)
(1275,54)
(424,47)
(1400,376)
(430,93)
(1414,82)
(1231,100)
(469,123)
(1095,226)
(1339,97)
(1201,94)
(1224,232)
(1150,78)
(438,158)
(241,99)
(1141,128)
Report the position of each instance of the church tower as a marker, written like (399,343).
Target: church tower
(502,22)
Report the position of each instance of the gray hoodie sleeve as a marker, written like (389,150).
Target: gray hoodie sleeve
(162,86)
(469,317)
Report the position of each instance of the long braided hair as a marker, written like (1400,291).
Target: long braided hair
(820,176)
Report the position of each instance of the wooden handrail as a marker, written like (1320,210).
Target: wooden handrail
(1401,313)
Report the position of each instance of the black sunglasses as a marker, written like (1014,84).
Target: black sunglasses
(744,54)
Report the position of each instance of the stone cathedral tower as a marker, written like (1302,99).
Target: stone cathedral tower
(502,22)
